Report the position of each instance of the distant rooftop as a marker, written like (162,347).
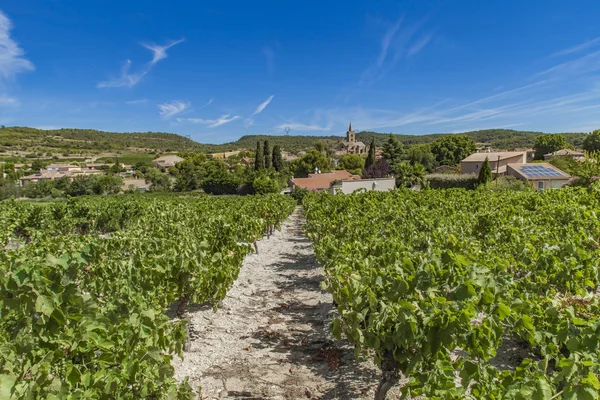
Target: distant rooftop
(492,156)
(322,181)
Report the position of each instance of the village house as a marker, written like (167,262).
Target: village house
(341,180)
(574,154)
(167,161)
(317,182)
(497,160)
(350,145)
(539,175)
(139,185)
(350,186)
(63,167)
(53,173)
(225,155)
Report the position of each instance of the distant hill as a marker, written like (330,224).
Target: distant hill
(88,141)
(92,141)
(503,139)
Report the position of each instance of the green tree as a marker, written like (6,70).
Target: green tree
(410,175)
(421,154)
(485,173)
(319,146)
(549,143)
(159,181)
(263,184)
(452,149)
(306,164)
(371,156)
(37,165)
(267,154)
(107,184)
(189,175)
(393,150)
(277,158)
(591,142)
(221,182)
(80,186)
(352,163)
(116,168)
(259,159)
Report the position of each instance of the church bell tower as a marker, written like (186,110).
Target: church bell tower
(350,135)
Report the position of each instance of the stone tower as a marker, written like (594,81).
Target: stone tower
(350,135)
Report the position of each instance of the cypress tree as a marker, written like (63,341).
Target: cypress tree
(267,154)
(277,158)
(485,173)
(371,156)
(259,159)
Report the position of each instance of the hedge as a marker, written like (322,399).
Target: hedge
(446,181)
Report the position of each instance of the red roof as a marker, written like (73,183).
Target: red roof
(322,181)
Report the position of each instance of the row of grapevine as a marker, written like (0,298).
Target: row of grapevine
(433,283)
(83,293)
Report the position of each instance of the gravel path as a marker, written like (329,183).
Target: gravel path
(270,339)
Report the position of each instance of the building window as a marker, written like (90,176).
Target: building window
(541,185)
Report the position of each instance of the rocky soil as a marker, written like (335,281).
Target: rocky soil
(270,339)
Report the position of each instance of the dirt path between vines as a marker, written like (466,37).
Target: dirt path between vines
(270,339)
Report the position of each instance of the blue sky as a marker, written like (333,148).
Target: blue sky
(217,70)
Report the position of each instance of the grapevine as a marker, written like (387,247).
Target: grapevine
(85,283)
(434,283)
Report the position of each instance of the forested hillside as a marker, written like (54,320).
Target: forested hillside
(89,141)
(503,139)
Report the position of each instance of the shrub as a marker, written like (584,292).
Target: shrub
(445,181)
(221,183)
(298,194)
(264,185)
(55,193)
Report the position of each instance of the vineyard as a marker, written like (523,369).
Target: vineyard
(435,284)
(84,286)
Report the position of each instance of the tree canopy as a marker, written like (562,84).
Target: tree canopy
(306,164)
(592,141)
(353,163)
(549,143)
(451,150)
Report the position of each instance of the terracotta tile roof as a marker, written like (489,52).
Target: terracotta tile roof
(322,181)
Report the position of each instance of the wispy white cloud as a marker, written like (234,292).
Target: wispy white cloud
(6,101)
(138,101)
(386,40)
(399,41)
(248,122)
(263,105)
(167,110)
(160,52)
(419,45)
(12,60)
(208,103)
(130,79)
(211,123)
(224,119)
(303,127)
(577,48)
(582,65)
(126,79)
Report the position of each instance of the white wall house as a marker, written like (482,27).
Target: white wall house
(350,186)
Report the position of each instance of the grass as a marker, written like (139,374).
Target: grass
(129,159)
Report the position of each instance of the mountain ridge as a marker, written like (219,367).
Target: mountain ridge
(71,140)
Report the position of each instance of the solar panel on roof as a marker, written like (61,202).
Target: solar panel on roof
(536,171)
